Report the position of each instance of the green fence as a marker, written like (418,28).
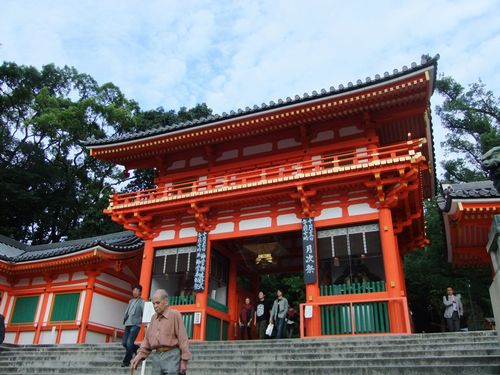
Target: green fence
(217,305)
(216,329)
(369,317)
(188,319)
(180,300)
(354,288)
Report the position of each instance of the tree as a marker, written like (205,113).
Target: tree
(472,117)
(159,118)
(51,188)
(428,274)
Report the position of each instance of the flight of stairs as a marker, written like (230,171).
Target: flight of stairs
(446,353)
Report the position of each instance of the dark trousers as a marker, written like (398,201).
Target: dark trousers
(289,330)
(248,330)
(129,337)
(453,322)
(261,329)
(280,328)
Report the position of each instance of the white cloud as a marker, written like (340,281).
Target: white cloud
(236,54)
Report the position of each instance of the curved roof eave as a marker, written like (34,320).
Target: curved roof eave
(426,63)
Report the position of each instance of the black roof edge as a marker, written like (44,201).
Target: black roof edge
(426,61)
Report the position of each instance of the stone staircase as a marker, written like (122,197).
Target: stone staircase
(446,353)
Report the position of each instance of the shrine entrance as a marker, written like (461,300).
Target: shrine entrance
(256,263)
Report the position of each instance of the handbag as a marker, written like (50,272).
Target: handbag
(269,329)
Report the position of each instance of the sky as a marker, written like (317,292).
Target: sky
(233,54)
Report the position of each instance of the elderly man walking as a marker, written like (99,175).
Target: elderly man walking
(165,338)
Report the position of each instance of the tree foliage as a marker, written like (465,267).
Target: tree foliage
(51,188)
(429,273)
(472,117)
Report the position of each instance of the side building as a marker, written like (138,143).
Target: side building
(328,185)
(68,292)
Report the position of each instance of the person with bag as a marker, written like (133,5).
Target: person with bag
(132,321)
(454,309)
(245,320)
(290,319)
(166,339)
(278,313)
(262,312)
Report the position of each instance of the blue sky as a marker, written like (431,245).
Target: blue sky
(232,54)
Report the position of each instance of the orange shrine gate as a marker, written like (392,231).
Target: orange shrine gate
(330,184)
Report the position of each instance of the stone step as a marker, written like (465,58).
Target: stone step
(489,369)
(263,355)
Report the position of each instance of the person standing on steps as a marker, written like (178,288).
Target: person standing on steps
(245,320)
(166,338)
(132,321)
(261,318)
(290,319)
(454,309)
(278,313)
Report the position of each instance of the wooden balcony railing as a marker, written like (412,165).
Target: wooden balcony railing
(272,174)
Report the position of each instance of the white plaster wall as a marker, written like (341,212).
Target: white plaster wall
(114,281)
(48,337)
(165,235)
(288,219)
(107,311)
(329,213)
(177,164)
(38,281)
(26,338)
(47,311)
(9,337)
(187,232)
(287,143)
(257,149)
(261,222)
(41,297)
(198,160)
(5,295)
(226,155)
(80,306)
(78,276)
(223,228)
(61,278)
(3,281)
(323,136)
(69,336)
(349,130)
(360,209)
(95,338)
(23,282)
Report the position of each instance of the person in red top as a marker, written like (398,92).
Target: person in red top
(245,320)
(166,337)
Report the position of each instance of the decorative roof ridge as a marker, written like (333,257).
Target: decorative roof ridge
(466,190)
(88,241)
(13,243)
(425,62)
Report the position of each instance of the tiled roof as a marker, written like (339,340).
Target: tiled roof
(426,61)
(13,251)
(466,190)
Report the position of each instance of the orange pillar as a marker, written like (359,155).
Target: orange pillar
(48,280)
(232,296)
(312,325)
(82,334)
(147,269)
(394,275)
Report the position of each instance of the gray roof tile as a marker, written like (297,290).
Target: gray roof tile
(14,252)
(466,190)
(426,61)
